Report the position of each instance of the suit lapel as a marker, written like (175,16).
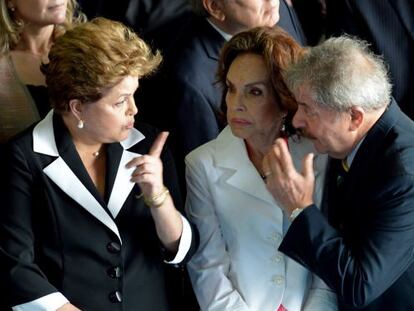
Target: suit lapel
(122,185)
(212,41)
(67,151)
(68,173)
(60,173)
(231,156)
(113,158)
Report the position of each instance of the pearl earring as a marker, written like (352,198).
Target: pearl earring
(80,124)
(12,8)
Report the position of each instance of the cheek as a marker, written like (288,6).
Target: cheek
(268,116)
(228,114)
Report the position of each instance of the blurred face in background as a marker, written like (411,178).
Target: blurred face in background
(39,12)
(241,15)
(252,112)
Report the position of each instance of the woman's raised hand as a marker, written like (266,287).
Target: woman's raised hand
(148,172)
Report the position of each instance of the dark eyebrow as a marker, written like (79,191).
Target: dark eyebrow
(261,82)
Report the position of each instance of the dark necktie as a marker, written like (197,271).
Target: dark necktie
(341,173)
(334,192)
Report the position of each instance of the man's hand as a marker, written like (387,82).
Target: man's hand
(292,189)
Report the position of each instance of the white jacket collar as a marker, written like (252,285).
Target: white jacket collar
(44,137)
(59,172)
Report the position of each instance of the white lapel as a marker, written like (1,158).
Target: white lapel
(44,137)
(65,179)
(231,154)
(122,185)
(59,172)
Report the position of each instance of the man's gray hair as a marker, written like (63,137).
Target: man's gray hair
(198,7)
(342,72)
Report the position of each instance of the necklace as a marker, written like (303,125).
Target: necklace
(96,154)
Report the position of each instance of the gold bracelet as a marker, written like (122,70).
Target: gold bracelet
(157,199)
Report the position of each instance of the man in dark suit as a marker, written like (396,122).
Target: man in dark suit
(365,248)
(389,26)
(290,22)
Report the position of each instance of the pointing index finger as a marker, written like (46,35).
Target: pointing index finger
(158,144)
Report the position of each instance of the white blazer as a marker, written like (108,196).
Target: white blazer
(238,265)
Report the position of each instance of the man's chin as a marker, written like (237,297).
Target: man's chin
(317,146)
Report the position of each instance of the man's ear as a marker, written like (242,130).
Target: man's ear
(357,115)
(75,108)
(214,8)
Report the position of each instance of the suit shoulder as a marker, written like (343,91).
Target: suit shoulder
(202,154)
(399,149)
(22,140)
(195,48)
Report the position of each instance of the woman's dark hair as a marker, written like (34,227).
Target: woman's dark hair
(278,50)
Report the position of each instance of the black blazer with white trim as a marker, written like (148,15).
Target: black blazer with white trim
(58,235)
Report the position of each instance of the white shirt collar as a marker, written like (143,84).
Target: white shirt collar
(44,137)
(225,35)
(350,157)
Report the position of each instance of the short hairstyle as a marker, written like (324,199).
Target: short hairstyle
(198,7)
(278,50)
(91,58)
(342,72)
(10,29)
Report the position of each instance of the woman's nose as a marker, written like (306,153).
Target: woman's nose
(133,110)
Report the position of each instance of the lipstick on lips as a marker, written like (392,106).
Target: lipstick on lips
(240,121)
(55,6)
(130,125)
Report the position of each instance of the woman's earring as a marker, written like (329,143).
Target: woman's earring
(12,8)
(80,124)
(283,126)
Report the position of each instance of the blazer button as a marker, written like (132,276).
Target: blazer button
(115,297)
(113,247)
(114,272)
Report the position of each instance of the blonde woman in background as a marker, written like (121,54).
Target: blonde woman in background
(28,29)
